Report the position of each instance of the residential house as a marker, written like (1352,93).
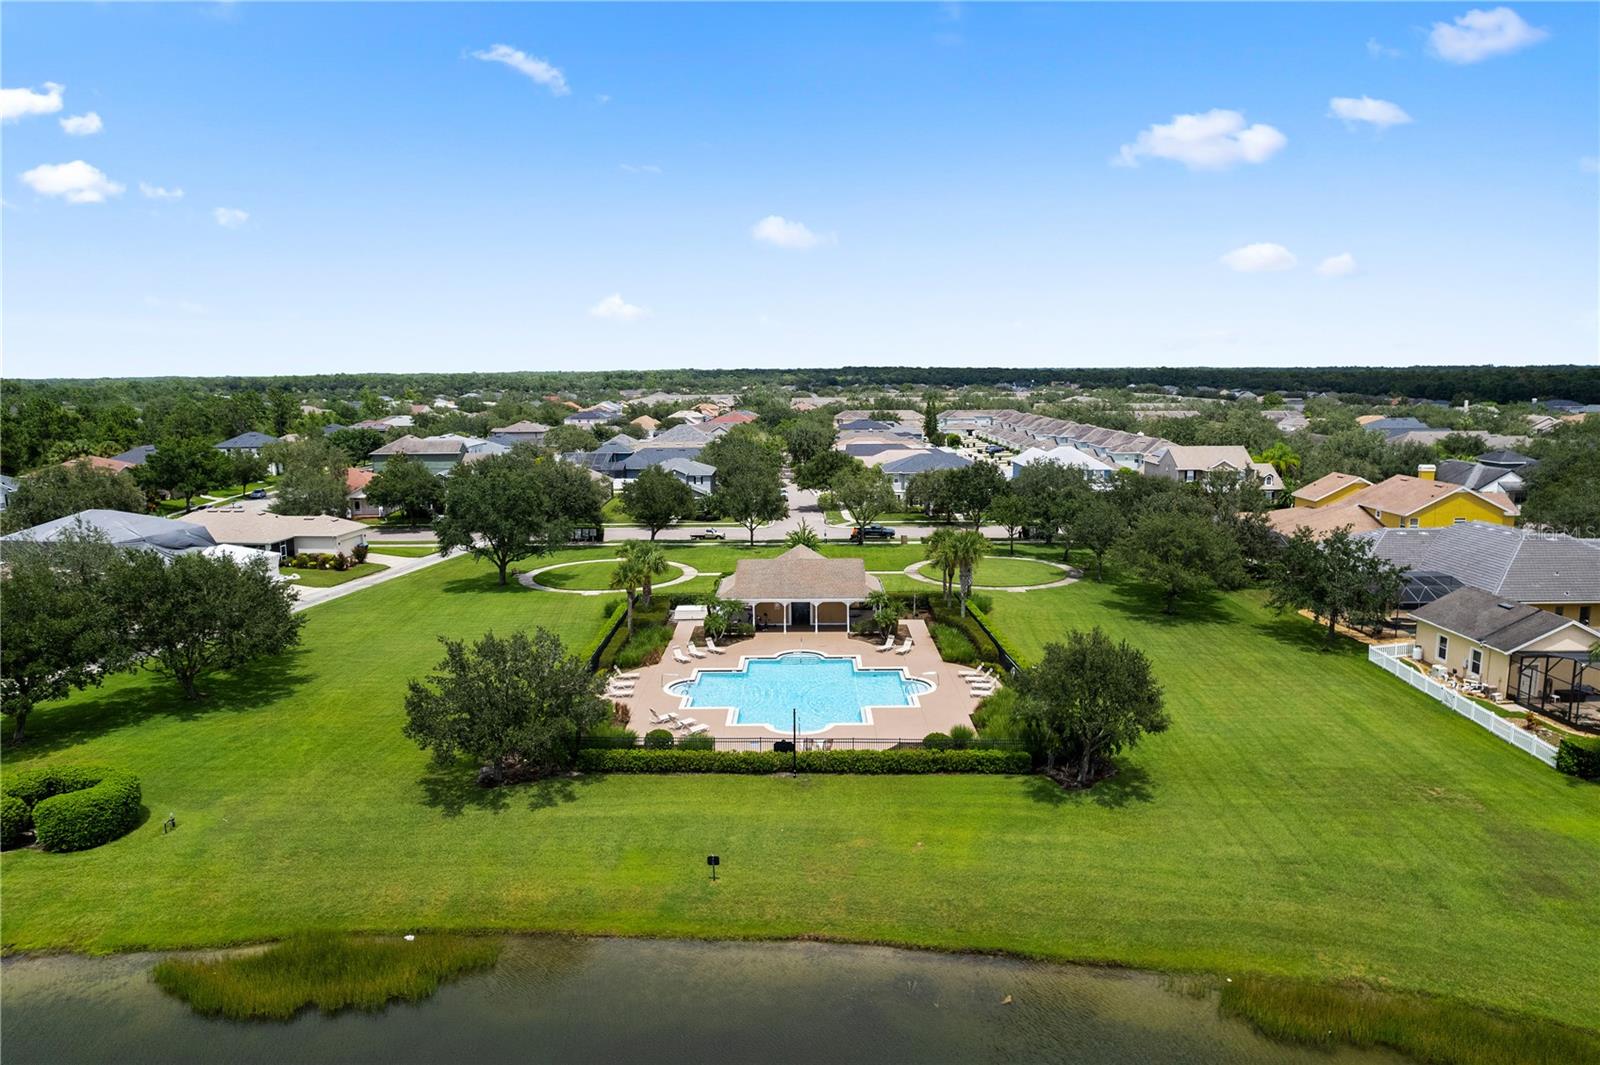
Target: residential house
(284,534)
(523,432)
(1393,427)
(647,423)
(1398,502)
(249,443)
(136,456)
(688,417)
(8,488)
(901,470)
(397,421)
(100,463)
(1551,571)
(1329,489)
(1535,657)
(1190,463)
(589,417)
(622,458)
(1098,471)
(440,454)
(144,532)
(1481,477)
(356,480)
(701,478)
(732,418)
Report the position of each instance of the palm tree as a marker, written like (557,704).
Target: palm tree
(937,551)
(966,548)
(651,562)
(803,535)
(628,577)
(885,609)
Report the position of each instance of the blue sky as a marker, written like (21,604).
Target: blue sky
(381,187)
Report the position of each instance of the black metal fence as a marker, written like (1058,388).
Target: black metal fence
(805,743)
(599,651)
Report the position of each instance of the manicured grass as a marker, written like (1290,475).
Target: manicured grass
(1019,572)
(327,578)
(322,970)
(1307,816)
(403,550)
(589,577)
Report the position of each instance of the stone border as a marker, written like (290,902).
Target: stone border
(688,573)
(1072,576)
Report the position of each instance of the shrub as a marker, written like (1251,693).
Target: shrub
(611,736)
(701,742)
(14,821)
(76,807)
(936,741)
(953,644)
(1579,757)
(646,645)
(359,553)
(961,737)
(341,561)
(658,739)
(909,761)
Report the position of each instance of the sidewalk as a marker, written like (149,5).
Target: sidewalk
(396,567)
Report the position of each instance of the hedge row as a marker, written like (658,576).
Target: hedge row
(911,760)
(1579,758)
(72,808)
(14,821)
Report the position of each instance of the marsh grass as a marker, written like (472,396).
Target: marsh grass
(323,970)
(1435,1031)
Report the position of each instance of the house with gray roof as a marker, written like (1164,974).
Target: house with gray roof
(252,442)
(440,454)
(1538,658)
(1551,571)
(700,477)
(1481,477)
(139,532)
(901,470)
(137,456)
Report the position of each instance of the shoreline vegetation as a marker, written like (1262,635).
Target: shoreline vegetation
(334,972)
(323,971)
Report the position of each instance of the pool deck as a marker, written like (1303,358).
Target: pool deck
(950,703)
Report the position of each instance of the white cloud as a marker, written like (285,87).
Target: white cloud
(645,168)
(18,103)
(230,217)
(1477,35)
(1259,258)
(1341,265)
(1376,49)
(780,232)
(82,125)
(617,309)
(1380,113)
(538,69)
(1213,140)
(156,192)
(75,182)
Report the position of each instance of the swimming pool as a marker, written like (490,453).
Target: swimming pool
(823,689)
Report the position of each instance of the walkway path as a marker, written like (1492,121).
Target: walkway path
(1072,576)
(395,566)
(527,579)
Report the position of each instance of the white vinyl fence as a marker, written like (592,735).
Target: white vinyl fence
(1391,656)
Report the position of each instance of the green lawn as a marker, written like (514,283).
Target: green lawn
(592,576)
(402,550)
(1019,572)
(1306,814)
(327,578)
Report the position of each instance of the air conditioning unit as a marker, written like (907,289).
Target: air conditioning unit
(1416,652)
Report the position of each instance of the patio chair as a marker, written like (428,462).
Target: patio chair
(695,651)
(888,643)
(827,745)
(687,723)
(696,730)
(905,648)
(713,648)
(617,674)
(661,719)
(679,656)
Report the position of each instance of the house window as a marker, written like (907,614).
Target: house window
(1414,522)
(1459,521)
(1444,648)
(1475,662)
(1583,615)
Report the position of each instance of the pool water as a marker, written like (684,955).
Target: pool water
(823,689)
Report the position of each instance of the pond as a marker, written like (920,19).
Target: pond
(661,1001)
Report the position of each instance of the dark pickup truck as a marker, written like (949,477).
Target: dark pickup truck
(871,532)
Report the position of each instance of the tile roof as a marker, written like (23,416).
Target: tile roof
(1403,494)
(1489,619)
(1530,567)
(423,445)
(930,459)
(240,526)
(1328,484)
(99,463)
(523,426)
(356,479)
(799,573)
(1321,520)
(250,439)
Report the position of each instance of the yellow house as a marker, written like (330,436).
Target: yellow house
(1329,489)
(1400,502)
(1533,656)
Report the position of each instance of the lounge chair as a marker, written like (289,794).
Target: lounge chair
(696,730)
(687,723)
(888,643)
(713,648)
(661,719)
(617,674)
(827,745)
(905,648)
(695,651)
(678,655)
(620,689)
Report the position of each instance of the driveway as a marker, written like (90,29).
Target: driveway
(396,567)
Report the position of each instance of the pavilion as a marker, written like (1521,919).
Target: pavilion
(800,589)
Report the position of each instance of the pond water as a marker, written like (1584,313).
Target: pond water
(661,1002)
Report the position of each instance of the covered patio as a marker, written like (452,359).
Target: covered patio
(800,590)
(1559,684)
